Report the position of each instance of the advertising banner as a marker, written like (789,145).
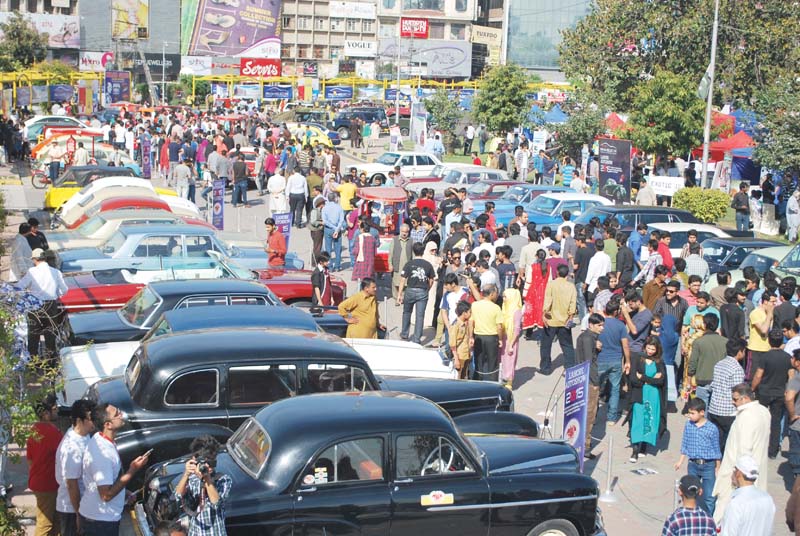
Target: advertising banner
(232,28)
(218,208)
(61,93)
(576,405)
(146,164)
(310,68)
(171,64)
(260,67)
(94,61)
(117,87)
(283,222)
(391,94)
(40,94)
(615,169)
(64,31)
(487,35)
(338,92)
(196,65)
(416,28)
(353,10)
(222,66)
(219,89)
(278,92)
(23,96)
(247,91)
(130,19)
(663,185)
(436,58)
(355,48)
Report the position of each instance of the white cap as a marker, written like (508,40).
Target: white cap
(747,466)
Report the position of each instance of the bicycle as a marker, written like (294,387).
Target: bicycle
(40,179)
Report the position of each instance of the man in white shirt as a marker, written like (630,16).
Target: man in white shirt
(751,511)
(599,264)
(21,252)
(276,186)
(297,187)
(81,156)
(104,497)
(69,466)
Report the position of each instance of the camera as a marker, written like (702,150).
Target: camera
(203,466)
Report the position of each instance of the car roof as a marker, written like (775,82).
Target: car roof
(678,227)
(574,196)
(637,208)
(174,229)
(188,287)
(404,153)
(239,316)
(131,213)
(743,241)
(775,252)
(544,187)
(474,167)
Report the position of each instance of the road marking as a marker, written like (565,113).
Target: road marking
(10,180)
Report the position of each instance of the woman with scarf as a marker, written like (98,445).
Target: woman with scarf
(432,256)
(536,277)
(364,248)
(512,322)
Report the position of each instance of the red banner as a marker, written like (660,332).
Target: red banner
(417,28)
(260,67)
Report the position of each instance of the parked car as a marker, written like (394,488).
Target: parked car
(761,260)
(789,264)
(37,123)
(461,177)
(385,463)
(121,203)
(438,172)
(178,386)
(729,253)
(101,226)
(630,216)
(318,134)
(342,120)
(76,177)
(139,314)
(490,190)
(679,232)
(412,164)
(547,208)
(523,195)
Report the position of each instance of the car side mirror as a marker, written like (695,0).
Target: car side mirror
(108,249)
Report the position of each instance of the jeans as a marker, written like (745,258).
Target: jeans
(204,193)
(486,358)
(481,146)
(192,190)
(68,524)
(296,204)
(261,180)
(742,221)
(703,393)
(564,339)
(794,450)
(414,297)
(611,371)
(548,180)
(91,527)
(332,243)
(581,300)
(774,403)
(705,472)
(724,424)
(239,192)
(53,169)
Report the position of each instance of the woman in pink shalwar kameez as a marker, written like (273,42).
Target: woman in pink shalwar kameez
(512,322)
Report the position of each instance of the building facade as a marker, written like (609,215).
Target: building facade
(57,18)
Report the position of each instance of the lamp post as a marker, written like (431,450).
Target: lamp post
(164,73)
(710,97)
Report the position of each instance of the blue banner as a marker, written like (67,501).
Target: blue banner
(117,86)
(576,405)
(283,221)
(218,209)
(339,92)
(278,92)
(61,93)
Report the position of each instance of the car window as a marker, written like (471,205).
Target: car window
(472,178)
(259,385)
(250,447)
(649,217)
(140,307)
(737,257)
(625,219)
(248,300)
(159,246)
(424,160)
(715,252)
(198,246)
(196,388)
(428,454)
(574,208)
(407,160)
(792,260)
(349,461)
(329,378)
(760,263)
(201,301)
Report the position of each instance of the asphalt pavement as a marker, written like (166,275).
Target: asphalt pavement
(637,503)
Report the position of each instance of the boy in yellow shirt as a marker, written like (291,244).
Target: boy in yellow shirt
(460,338)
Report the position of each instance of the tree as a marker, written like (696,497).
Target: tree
(779,130)
(58,71)
(501,104)
(445,114)
(21,45)
(667,117)
(585,122)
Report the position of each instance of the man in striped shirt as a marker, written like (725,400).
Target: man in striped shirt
(727,373)
(654,259)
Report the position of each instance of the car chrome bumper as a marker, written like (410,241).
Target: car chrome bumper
(139,519)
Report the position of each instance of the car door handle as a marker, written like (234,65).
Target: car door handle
(404,481)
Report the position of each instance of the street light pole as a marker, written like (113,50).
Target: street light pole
(164,73)
(710,97)
(397,92)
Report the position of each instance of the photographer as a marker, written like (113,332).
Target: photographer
(202,491)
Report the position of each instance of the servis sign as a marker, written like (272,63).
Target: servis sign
(260,67)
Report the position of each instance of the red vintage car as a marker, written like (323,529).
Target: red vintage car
(119,203)
(489,190)
(111,289)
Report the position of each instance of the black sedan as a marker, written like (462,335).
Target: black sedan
(724,253)
(385,463)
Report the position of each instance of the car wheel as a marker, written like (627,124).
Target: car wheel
(344,133)
(554,527)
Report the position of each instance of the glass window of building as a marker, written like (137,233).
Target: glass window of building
(436,30)
(304,23)
(458,31)
(352,25)
(319,52)
(287,23)
(336,52)
(386,30)
(367,26)
(337,25)
(287,51)
(535,30)
(319,23)
(303,51)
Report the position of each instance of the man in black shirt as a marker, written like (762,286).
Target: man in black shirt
(581,265)
(625,260)
(784,311)
(586,349)
(769,381)
(36,238)
(448,204)
(416,279)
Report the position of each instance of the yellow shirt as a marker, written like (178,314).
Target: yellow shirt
(486,315)
(346,191)
(560,302)
(757,342)
(365,309)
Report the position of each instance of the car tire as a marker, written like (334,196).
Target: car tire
(344,133)
(554,527)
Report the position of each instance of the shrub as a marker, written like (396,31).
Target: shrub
(708,206)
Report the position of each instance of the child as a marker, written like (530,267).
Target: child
(460,335)
(587,347)
(700,444)
(647,417)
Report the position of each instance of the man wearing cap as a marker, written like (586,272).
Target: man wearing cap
(689,519)
(47,284)
(751,510)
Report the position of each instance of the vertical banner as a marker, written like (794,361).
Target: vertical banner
(218,207)
(145,149)
(615,169)
(576,405)
(117,86)
(283,221)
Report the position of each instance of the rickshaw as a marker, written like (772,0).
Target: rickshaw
(391,204)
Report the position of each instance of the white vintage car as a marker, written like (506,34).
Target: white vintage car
(412,164)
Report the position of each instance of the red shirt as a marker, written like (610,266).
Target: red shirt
(666,255)
(427,203)
(477,161)
(41,454)
(277,243)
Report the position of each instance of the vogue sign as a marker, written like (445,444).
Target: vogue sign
(260,67)
(417,28)
(360,49)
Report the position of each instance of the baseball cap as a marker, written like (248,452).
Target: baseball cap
(747,466)
(555,247)
(38,254)
(689,485)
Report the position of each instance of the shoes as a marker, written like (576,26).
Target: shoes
(207,41)
(224,21)
(589,456)
(634,458)
(546,371)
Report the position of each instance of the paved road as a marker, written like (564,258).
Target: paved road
(641,502)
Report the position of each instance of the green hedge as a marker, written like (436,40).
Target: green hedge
(709,206)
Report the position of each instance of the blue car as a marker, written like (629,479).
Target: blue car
(546,209)
(520,194)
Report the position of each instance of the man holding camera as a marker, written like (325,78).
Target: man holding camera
(202,491)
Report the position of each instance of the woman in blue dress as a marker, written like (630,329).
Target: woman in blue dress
(648,397)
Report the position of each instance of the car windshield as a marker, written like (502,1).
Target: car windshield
(515,194)
(544,204)
(91,226)
(140,307)
(760,263)
(388,159)
(133,370)
(584,218)
(715,252)
(114,243)
(249,447)
(453,177)
(479,188)
(438,170)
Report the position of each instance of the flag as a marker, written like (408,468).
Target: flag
(705,84)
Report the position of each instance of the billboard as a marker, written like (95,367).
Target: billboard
(338,92)
(435,57)
(214,28)
(170,63)
(63,31)
(615,169)
(576,404)
(356,48)
(416,28)
(487,35)
(94,61)
(259,67)
(278,92)
(130,19)
(196,65)
(353,10)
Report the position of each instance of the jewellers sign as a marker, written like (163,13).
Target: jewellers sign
(354,48)
(416,28)
(260,67)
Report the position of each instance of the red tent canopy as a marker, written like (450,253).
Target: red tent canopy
(615,122)
(723,123)
(717,149)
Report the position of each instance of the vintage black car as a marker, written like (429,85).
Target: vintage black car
(135,319)
(385,463)
(209,381)
(629,217)
(728,253)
